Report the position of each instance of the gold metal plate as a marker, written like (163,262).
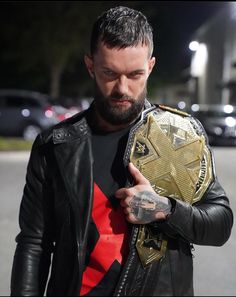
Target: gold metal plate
(170,154)
(174,158)
(149,247)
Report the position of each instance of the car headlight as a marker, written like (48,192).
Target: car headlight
(230,121)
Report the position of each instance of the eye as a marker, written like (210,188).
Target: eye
(109,73)
(135,75)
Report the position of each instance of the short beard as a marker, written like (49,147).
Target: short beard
(116,115)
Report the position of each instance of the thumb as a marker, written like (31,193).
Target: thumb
(137,175)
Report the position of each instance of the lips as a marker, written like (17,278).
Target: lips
(120,102)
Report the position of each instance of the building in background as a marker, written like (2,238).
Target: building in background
(213,64)
(211,77)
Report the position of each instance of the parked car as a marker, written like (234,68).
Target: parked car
(219,122)
(26,113)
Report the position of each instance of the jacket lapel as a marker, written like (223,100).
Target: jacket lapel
(73,152)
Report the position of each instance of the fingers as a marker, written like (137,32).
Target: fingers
(125,202)
(140,181)
(137,175)
(124,193)
(127,210)
(131,218)
(127,194)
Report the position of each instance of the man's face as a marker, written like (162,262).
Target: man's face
(120,77)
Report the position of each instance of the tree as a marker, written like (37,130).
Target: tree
(45,36)
(44,42)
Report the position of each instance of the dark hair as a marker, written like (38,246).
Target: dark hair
(121,27)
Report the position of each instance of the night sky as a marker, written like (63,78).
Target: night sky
(173,22)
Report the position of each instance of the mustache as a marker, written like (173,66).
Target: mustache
(121,97)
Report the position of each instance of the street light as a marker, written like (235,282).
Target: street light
(233,10)
(198,66)
(193,46)
(199,60)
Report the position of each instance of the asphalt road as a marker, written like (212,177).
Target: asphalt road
(214,267)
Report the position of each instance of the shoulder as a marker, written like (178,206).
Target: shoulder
(47,135)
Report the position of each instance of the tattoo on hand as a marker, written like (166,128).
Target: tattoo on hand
(146,204)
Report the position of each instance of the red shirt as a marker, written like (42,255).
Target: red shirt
(112,243)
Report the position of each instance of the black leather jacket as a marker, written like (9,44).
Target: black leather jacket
(55,215)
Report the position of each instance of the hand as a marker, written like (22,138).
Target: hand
(141,203)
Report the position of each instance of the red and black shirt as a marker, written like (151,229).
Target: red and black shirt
(107,246)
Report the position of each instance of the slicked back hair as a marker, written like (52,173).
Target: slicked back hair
(121,27)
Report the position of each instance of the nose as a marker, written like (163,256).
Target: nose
(122,85)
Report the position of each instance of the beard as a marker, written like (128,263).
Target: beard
(116,115)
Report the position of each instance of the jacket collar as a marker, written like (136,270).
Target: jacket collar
(78,128)
(69,132)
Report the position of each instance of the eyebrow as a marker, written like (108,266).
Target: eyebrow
(134,71)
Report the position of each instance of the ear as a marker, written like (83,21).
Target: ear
(151,64)
(88,60)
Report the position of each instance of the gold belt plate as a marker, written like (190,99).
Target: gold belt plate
(170,153)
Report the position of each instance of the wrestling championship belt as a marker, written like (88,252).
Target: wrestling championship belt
(170,151)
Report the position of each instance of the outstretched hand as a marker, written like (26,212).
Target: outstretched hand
(141,203)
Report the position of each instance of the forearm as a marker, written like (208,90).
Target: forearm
(207,223)
(30,270)
(34,242)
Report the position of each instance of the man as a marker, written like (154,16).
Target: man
(120,192)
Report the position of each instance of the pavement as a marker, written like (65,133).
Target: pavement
(214,267)
(13,156)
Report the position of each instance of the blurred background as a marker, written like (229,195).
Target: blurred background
(43,80)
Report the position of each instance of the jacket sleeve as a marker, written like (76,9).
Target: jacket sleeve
(208,222)
(34,242)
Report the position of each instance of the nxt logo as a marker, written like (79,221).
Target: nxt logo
(141,148)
